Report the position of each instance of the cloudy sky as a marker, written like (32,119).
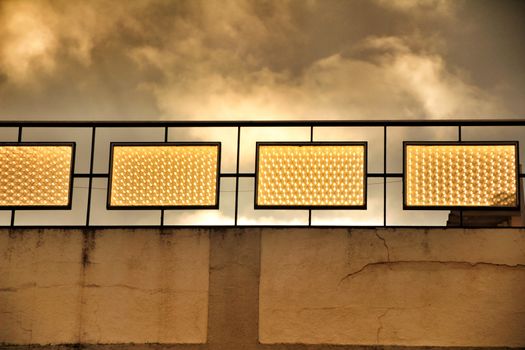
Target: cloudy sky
(254,60)
(305,59)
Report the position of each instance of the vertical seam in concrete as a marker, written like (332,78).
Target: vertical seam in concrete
(88,242)
(257,318)
(234,289)
(81,287)
(35,255)
(164,242)
(209,289)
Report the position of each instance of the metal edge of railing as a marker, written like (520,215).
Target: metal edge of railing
(385,124)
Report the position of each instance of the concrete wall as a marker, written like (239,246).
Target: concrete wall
(109,286)
(405,287)
(263,288)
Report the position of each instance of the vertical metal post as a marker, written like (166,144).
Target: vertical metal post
(460,210)
(237,175)
(310,210)
(90,186)
(162,210)
(19,139)
(384,174)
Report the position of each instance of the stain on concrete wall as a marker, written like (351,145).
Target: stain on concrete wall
(262,288)
(107,286)
(440,287)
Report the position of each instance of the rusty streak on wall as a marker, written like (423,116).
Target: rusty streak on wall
(262,288)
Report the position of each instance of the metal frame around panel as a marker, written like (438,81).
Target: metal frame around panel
(163,144)
(462,143)
(71,175)
(312,144)
(385,124)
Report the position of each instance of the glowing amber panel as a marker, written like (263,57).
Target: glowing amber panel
(461,175)
(165,176)
(35,175)
(311,175)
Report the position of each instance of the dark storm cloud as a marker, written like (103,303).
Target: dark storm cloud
(261,59)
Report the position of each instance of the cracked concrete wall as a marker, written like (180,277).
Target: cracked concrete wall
(412,287)
(107,286)
(287,288)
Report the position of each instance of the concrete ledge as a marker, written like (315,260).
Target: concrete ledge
(260,346)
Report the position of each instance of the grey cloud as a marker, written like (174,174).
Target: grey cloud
(259,59)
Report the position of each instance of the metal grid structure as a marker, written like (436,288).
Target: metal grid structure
(237,175)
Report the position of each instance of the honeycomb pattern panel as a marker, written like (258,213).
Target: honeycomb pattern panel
(164,176)
(313,175)
(461,176)
(34,176)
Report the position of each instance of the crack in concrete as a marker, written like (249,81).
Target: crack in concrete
(19,322)
(386,246)
(92,285)
(321,308)
(380,321)
(445,262)
(26,330)
(387,310)
(234,264)
(33,285)
(149,290)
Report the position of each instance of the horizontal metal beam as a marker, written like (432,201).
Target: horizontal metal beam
(280,123)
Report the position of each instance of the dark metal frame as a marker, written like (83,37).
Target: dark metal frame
(462,143)
(239,125)
(71,175)
(259,123)
(163,144)
(312,144)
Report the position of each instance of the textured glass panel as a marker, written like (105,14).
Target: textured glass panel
(170,175)
(311,175)
(461,175)
(35,175)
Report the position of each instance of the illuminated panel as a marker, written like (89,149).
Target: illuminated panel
(311,175)
(164,175)
(36,175)
(461,175)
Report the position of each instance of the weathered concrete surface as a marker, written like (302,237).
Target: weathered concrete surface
(39,286)
(436,287)
(234,289)
(291,289)
(107,286)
